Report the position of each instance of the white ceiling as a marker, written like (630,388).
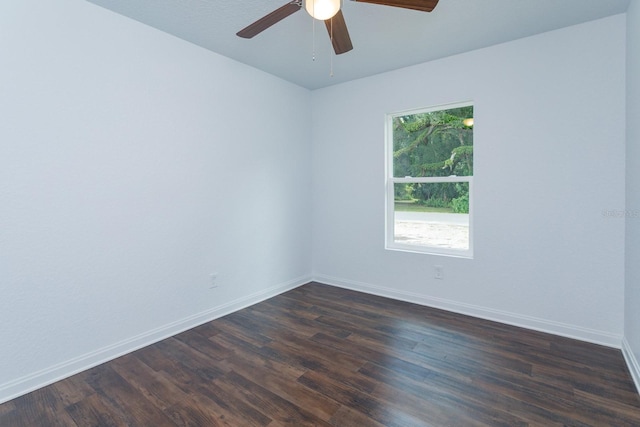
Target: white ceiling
(384,38)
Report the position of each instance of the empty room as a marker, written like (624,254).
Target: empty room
(397,213)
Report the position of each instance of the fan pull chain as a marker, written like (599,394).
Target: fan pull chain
(313,38)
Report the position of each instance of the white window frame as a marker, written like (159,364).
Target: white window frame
(390,243)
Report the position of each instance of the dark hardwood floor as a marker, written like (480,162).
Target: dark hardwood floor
(324,356)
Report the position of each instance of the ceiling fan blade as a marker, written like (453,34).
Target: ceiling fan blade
(268,20)
(337,28)
(421,5)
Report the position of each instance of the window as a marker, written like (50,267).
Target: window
(429,160)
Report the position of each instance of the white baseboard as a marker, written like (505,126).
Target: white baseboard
(36,380)
(541,325)
(632,363)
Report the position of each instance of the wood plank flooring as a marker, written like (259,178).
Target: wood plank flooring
(324,356)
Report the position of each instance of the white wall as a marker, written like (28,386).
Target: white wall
(549,159)
(632,252)
(132,165)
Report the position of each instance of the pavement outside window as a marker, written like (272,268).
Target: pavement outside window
(432,229)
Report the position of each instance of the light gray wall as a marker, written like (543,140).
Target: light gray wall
(549,161)
(133,165)
(632,252)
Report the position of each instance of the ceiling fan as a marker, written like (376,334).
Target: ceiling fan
(329,12)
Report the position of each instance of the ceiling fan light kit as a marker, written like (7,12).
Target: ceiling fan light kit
(322,9)
(329,12)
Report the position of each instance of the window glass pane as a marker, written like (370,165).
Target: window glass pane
(432,214)
(436,143)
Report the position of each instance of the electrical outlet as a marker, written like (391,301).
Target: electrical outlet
(213,280)
(438,272)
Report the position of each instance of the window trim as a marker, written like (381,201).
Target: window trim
(390,181)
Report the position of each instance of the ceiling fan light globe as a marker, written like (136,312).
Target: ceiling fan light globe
(322,9)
